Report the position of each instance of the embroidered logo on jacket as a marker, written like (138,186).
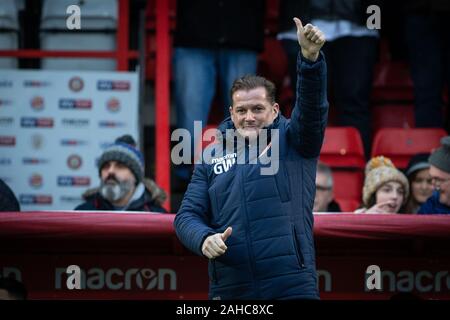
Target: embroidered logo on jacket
(223,164)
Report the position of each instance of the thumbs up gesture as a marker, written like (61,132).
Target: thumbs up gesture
(310,38)
(214,245)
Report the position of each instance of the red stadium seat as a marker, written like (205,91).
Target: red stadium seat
(271,19)
(400,144)
(343,148)
(343,151)
(392,82)
(347,205)
(272,62)
(348,184)
(393,116)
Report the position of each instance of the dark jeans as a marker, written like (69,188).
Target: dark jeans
(428,42)
(350,62)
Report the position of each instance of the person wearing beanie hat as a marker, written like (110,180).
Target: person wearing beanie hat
(439,202)
(419,178)
(123,186)
(385,188)
(124,151)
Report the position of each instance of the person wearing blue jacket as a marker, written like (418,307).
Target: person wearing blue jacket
(439,160)
(255,228)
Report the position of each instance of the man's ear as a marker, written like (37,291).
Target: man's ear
(276,109)
(230,109)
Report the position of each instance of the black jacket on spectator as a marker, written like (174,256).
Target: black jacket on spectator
(306,10)
(217,24)
(334,207)
(427,6)
(150,201)
(8,201)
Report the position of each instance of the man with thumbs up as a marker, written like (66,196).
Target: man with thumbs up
(257,229)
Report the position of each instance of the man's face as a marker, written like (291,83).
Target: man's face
(441,182)
(117,181)
(324,193)
(252,111)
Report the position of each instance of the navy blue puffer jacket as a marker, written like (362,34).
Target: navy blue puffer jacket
(271,249)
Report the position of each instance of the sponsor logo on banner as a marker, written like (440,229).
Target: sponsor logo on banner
(73,142)
(76,84)
(37,141)
(71,199)
(30,122)
(5,161)
(6,84)
(7,141)
(70,181)
(35,199)
(36,180)
(5,102)
(74,162)
(34,161)
(6,121)
(82,104)
(111,124)
(113,85)
(35,83)
(77,123)
(121,279)
(37,103)
(113,105)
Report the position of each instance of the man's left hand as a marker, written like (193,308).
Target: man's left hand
(310,38)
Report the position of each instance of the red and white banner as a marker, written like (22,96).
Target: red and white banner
(53,127)
(137,256)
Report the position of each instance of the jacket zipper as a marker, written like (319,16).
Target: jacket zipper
(214,272)
(250,251)
(298,251)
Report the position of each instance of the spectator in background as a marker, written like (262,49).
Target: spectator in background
(323,202)
(8,201)
(123,186)
(428,45)
(386,188)
(350,50)
(12,289)
(439,161)
(418,174)
(214,40)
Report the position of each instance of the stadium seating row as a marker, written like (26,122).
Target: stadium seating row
(343,151)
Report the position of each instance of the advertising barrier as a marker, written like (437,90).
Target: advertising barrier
(138,256)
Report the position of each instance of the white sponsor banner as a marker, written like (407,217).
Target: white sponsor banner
(54,126)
